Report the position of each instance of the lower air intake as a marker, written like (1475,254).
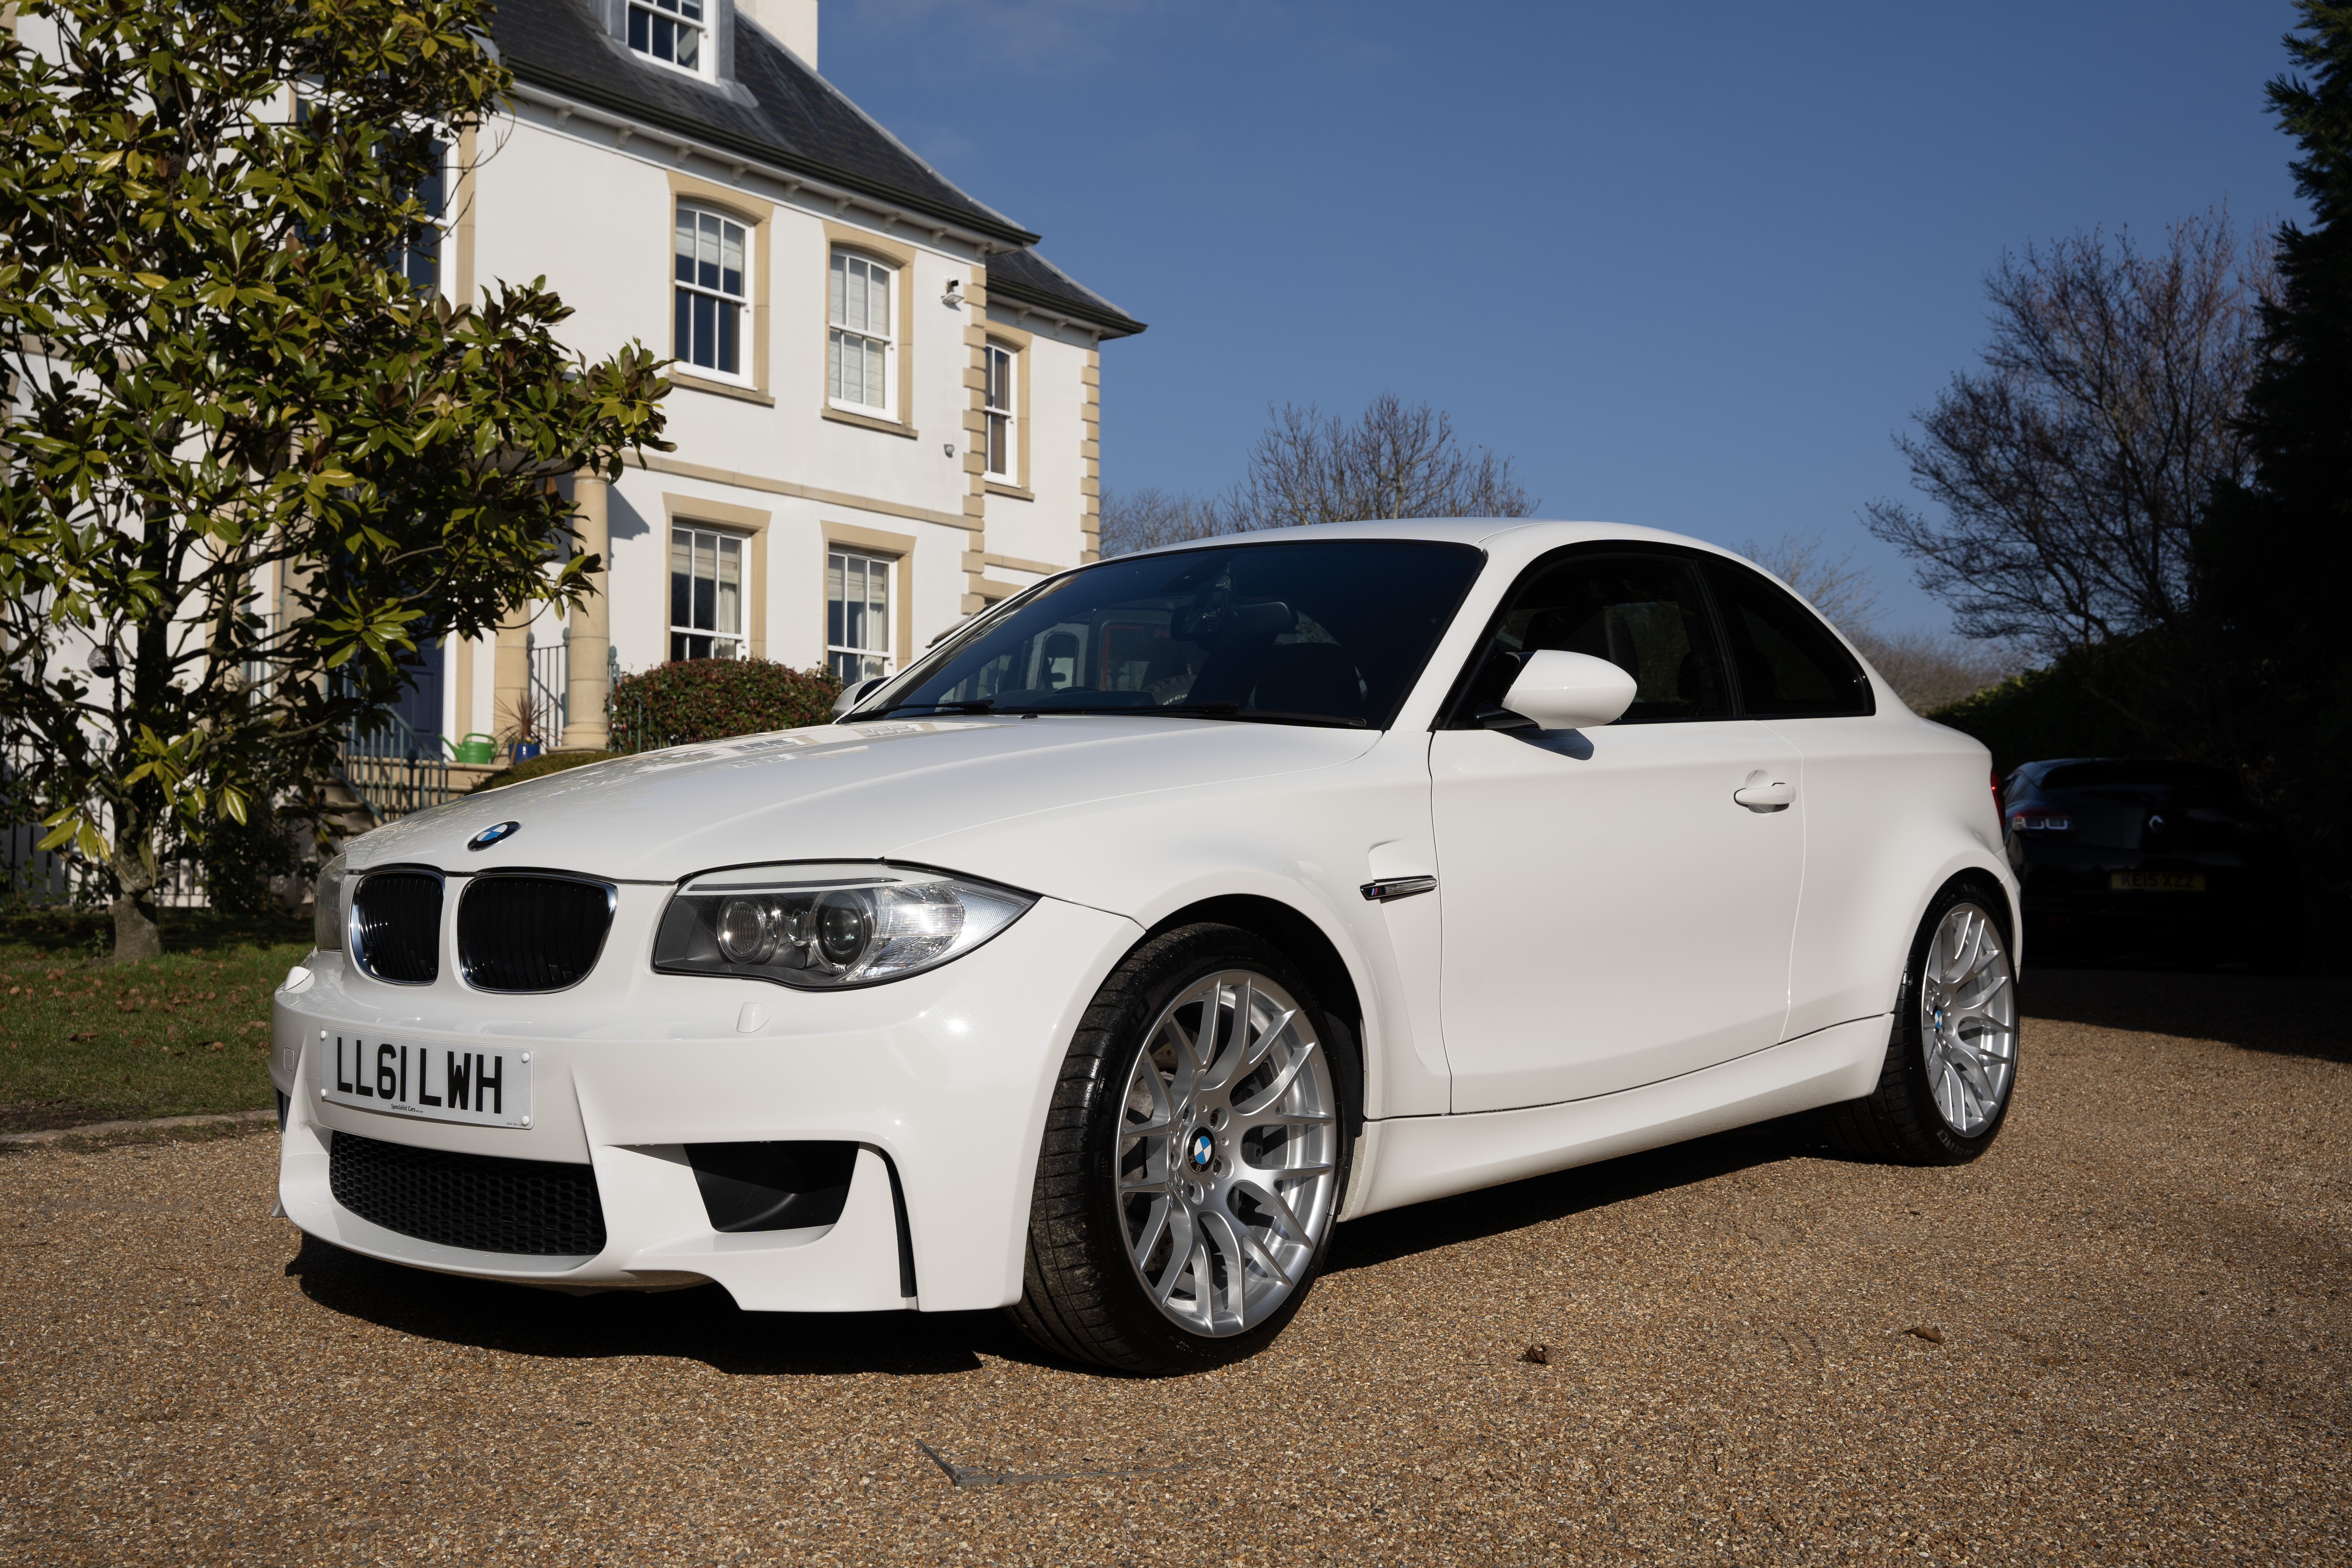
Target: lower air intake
(535,1207)
(531,933)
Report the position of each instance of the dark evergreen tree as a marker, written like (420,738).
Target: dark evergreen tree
(2276,554)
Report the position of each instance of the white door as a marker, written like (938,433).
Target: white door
(1612,915)
(1864,780)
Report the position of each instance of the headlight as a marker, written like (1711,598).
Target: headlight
(823,927)
(326,925)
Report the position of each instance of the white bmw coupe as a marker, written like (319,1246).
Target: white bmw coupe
(1102,961)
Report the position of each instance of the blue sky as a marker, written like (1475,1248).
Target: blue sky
(1691,266)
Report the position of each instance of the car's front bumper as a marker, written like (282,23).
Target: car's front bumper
(943,1078)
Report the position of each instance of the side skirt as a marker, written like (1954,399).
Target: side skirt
(1416,1158)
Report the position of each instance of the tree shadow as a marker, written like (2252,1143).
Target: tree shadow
(1494,1211)
(2283,1014)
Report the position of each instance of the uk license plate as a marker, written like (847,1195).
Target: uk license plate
(486,1087)
(2156,881)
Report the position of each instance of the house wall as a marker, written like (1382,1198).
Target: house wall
(591,210)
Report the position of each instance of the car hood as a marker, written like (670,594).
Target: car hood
(838,792)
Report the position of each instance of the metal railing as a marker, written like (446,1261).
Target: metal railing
(628,719)
(34,877)
(550,687)
(390,770)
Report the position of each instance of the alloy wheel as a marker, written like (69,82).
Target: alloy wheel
(1968,1019)
(1227,1152)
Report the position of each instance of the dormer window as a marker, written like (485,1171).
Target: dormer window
(670,31)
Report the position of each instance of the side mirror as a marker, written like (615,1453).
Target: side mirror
(1562,690)
(855,693)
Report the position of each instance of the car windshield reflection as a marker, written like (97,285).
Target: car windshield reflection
(1330,632)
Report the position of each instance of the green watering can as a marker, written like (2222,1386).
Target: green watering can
(478,750)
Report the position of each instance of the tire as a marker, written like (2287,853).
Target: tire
(1929,1108)
(1157,1160)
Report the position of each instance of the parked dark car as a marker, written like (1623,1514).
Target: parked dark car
(2128,857)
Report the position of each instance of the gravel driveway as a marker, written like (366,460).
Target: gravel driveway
(2122,1337)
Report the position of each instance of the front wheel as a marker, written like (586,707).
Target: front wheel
(1951,1055)
(1195,1156)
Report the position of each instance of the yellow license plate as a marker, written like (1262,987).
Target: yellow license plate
(2156,881)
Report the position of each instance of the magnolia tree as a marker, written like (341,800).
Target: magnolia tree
(220,374)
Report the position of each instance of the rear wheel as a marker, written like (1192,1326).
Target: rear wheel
(1195,1156)
(1951,1055)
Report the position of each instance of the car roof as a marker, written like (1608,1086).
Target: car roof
(1533,535)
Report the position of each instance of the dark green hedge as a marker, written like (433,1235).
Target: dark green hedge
(709,699)
(2053,713)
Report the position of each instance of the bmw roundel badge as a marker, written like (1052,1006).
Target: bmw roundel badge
(496,833)
(1204,1149)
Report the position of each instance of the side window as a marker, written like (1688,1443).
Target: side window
(706,595)
(856,615)
(1790,665)
(418,257)
(857,335)
(1000,363)
(707,258)
(1645,614)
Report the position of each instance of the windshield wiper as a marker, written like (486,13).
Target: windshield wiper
(978,705)
(1233,710)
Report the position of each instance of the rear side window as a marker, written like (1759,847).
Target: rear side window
(1643,614)
(1789,667)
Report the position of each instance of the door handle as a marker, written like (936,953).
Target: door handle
(1763,793)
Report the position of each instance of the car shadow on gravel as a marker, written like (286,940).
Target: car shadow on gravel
(1474,1217)
(701,1324)
(2284,1014)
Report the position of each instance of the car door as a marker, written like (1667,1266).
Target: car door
(1611,914)
(1863,779)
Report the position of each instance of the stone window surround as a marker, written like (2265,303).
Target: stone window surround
(757,217)
(1016,484)
(901,260)
(751,524)
(898,548)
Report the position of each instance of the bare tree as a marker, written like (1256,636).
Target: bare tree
(1310,466)
(1396,460)
(1934,669)
(1927,670)
(2073,469)
(1838,588)
(1149,517)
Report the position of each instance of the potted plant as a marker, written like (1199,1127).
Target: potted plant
(522,738)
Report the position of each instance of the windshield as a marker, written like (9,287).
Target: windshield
(1313,632)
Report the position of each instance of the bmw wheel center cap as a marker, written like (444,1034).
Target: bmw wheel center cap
(1204,1149)
(498,832)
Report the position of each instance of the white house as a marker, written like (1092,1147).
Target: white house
(886,402)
